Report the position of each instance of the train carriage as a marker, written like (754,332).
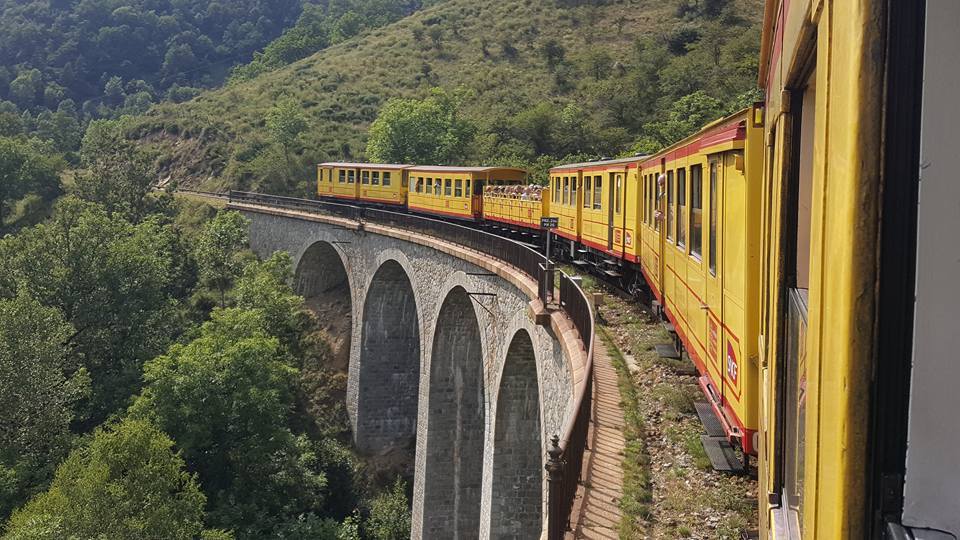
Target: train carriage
(597,204)
(456,192)
(701,236)
(375,183)
(516,205)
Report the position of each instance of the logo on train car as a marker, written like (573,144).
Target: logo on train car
(617,236)
(733,370)
(713,341)
(629,239)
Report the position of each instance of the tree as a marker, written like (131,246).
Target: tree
(286,123)
(263,287)
(25,89)
(225,397)
(39,385)
(427,131)
(218,251)
(111,280)
(25,170)
(390,514)
(127,483)
(686,116)
(118,175)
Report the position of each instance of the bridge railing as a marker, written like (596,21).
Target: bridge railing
(565,461)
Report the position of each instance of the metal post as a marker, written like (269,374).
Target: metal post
(554,466)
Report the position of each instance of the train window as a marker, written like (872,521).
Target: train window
(375,178)
(467,188)
(447,187)
(566,190)
(429,186)
(351,177)
(670,211)
(556,190)
(436,187)
(458,188)
(619,191)
(418,185)
(386,178)
(682,208)
(712,249)
(587,190)
(597,192)
(343,177)
(573,190)
(696,211)
(364,177)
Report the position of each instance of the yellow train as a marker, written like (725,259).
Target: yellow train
(789,246)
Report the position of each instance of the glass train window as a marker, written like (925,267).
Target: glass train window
(458,188)
(447,187)
(712,253)
(696,211)
(573,190)
(566,190)
(794,434)
(670,206)
(364,177)
(682,208)
(466,189)
(556,190)
(597,192)
(418,185)
(619,191)
(351,177)
(436,187)
(375,178)
(343,177)
(429,186)
(587,190)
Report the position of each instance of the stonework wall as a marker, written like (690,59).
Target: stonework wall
(501,310)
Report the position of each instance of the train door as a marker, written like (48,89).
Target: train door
(714,257)
(615,181)
(659,202)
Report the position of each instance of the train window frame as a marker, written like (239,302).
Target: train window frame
(458,188)
(712,247)
(556,189)
(573,191)
(375,178)
(696,212)
(429,186)
(437,186)
(618,179)
(365,177)
(386,179)
(566,190)
(670,209)
(466,188)
(597,192)
(342,177)
(447,187)
(587,191)
(681,216)
(351,177)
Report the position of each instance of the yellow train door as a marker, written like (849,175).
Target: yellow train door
(715,268)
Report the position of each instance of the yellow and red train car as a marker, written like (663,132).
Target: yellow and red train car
(375,183)
(456,192)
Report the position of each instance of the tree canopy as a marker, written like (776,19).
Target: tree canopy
(428,131)
(127,483)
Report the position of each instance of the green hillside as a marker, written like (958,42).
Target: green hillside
(538,80)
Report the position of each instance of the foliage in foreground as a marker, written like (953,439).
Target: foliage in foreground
(126,483)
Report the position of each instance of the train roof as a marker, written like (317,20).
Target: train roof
(349,165)
(445,168)
(599,163)
(725,129)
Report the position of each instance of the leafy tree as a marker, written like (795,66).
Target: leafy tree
(225,397)
(390,514)
(127,483)
(286,123)
(263,287)
(25,89)
(687,115)
(218,251)
(39,386)
(25,170)
(118,175)
(111,280)
(427,131)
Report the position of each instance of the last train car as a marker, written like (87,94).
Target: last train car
(860,259)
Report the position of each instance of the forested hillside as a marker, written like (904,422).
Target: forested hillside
(524,83)
(66,62)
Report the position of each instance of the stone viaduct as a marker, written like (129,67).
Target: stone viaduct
(448,360)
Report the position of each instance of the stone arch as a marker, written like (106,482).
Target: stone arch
(516,502)
(321,278)
(389,368)
(455,423)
